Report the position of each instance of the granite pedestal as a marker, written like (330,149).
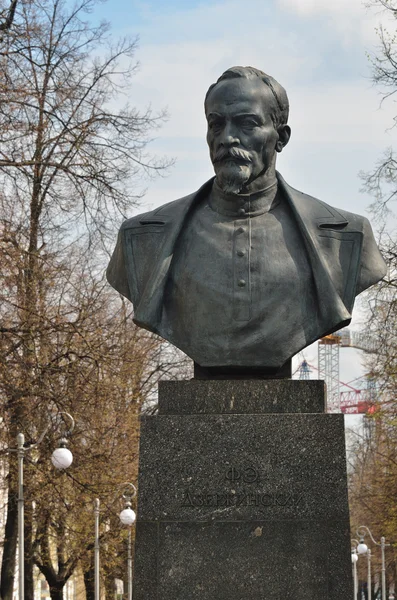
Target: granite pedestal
(242,494)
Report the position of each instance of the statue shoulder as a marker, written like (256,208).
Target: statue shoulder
(323,214)
(323,222)
(159,216)
(170,212)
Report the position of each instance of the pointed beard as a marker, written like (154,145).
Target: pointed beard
(231,176)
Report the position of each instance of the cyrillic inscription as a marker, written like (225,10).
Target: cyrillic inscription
(247,475)
(266,499)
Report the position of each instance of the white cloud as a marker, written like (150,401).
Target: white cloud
(350,19)
(344,112)
(176,78)
(347,8)
(194,46)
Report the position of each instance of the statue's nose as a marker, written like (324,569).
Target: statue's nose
(229,136)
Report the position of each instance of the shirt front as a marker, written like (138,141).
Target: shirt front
(240,288)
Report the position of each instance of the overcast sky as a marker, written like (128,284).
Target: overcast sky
(317,49)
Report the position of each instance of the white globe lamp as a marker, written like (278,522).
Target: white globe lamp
(62,458)
(127,516)
(362,548)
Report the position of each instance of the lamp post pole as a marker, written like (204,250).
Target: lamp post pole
(96,548)
(21,518)
(354,565)
(127,517)
(369,580)
(62,459)
(382,549)
(129,565)
(362,549)
(355,583)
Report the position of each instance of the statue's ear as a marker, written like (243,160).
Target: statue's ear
(284,133)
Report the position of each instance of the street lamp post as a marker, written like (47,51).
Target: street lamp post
(369,579)
(354,565)
(382,547)
(21,517)
(129,565)
(362,548)
(61,460)
(96,548)
(128,517)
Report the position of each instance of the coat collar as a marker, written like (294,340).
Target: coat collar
(310,214)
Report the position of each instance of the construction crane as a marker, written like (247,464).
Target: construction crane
(352,401)
(357,339)
(328,369)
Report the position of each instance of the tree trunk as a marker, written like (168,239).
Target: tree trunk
(125,586)
(10,545)
(110,587)
(6,24)
(89,582)
(56,593)
(10,549)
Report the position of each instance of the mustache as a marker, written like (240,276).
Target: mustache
(238,153)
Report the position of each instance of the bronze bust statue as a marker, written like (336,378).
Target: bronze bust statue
(247,271)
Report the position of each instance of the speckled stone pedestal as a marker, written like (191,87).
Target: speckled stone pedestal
(242,494)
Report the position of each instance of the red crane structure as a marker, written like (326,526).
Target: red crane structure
(353,400)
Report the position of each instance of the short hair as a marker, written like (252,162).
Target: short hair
(279,93)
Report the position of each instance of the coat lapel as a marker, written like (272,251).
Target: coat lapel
(317,220)
(148,312)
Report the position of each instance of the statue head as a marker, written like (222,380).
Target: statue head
(247,115)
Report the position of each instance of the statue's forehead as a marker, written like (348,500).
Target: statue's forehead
(240,95)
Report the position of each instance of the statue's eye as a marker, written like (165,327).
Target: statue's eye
(248,123)
(216,125)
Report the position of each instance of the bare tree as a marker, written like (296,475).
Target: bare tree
(372,493)
(8,18)
(89,360)
(72,159)
(373,482)
(381,183)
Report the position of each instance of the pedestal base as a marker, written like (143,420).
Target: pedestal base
(242,506)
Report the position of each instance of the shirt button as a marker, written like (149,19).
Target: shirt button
(240,230)
(240,252)
(241,212)
(241,282)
